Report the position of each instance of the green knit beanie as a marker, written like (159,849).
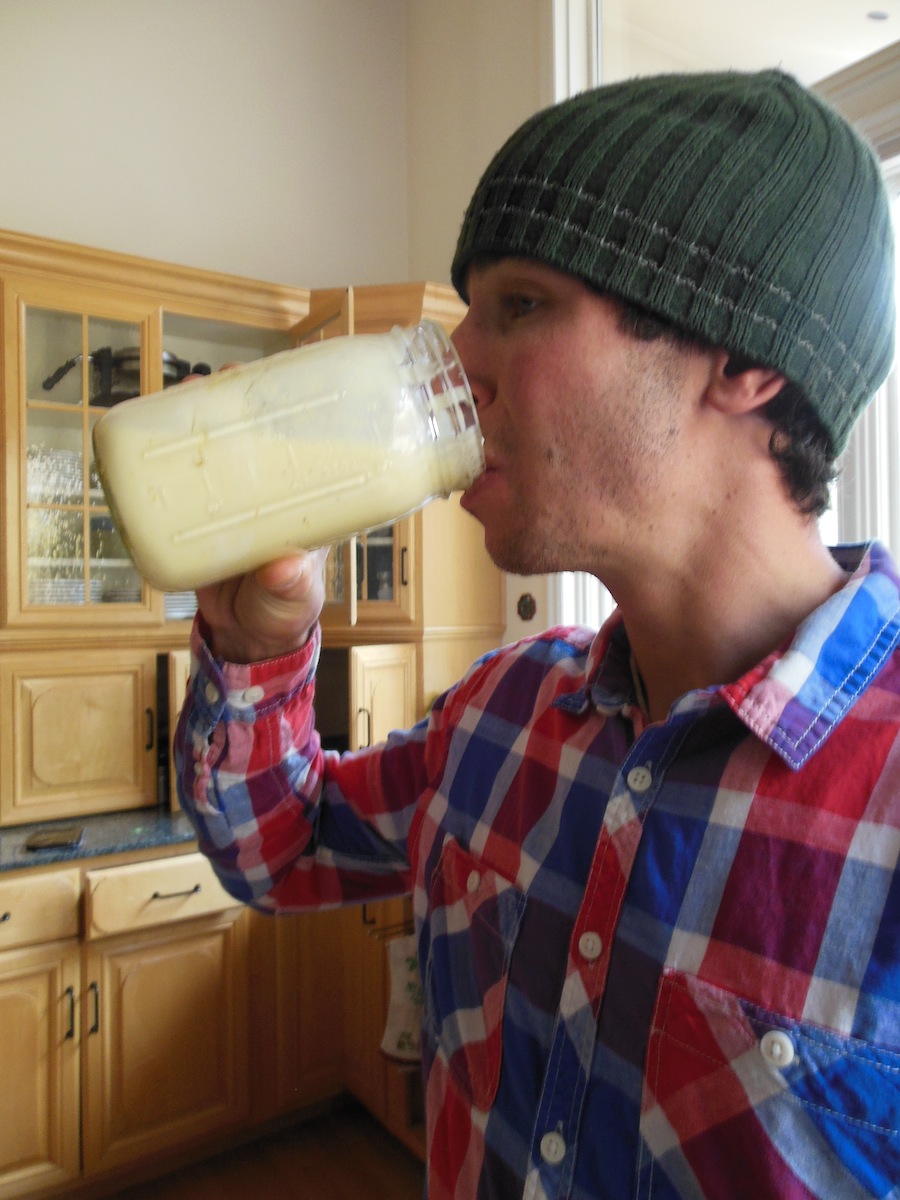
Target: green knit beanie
(738,206)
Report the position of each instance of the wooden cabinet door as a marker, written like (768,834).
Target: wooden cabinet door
(165,1030)
(366,992)
(382,698)
(390,1090)
(382,692)
(78,734)
(296,1020)
(39,1045)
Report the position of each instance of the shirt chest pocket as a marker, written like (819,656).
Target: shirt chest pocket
(739,1101)
(475,919)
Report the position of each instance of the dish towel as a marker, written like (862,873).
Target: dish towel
(402,1038)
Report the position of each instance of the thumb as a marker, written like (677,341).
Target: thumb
(293,576)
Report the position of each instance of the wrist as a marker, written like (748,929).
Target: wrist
(241,648)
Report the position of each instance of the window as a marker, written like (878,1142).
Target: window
(866,498)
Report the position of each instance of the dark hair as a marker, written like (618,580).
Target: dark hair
(799,442)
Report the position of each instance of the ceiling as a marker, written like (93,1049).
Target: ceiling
(809,38)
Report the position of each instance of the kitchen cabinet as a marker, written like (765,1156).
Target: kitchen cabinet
(39,1043)
(381,697)
(115,1000)
(392,1091)
(298,1009)
(426,579)
(131,996)
(164,1011)
(78,734)
(82,348)
(79,629)
(82,329)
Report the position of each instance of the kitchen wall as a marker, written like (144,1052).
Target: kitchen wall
(313,142)
(262,137)
(476,71)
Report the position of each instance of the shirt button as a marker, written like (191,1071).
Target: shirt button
(590,946)
(211,692)
(777,1049)
(553,1148)
(639,779)
(252,695)
(473,883)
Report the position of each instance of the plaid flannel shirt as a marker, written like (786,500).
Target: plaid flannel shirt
(660,960)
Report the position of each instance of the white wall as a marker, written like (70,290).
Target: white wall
(477,69)
(314,142)
(260,137)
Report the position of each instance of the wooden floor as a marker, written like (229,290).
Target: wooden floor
(344,1155)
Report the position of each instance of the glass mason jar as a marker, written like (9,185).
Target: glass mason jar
(218,475)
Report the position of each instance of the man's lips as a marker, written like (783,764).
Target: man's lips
(491,469)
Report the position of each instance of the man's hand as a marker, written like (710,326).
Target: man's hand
(267,613)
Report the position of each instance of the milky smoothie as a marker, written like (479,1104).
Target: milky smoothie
(218,475)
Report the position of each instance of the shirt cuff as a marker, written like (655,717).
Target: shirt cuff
(255,686)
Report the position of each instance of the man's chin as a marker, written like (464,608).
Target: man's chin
(517,555)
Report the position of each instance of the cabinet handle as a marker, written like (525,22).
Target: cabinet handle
(176,895)
(151,729)
(368,741)
(403,558)
(366,919)
(94,990)
(70,996)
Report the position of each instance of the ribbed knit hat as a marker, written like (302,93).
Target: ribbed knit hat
(738,206)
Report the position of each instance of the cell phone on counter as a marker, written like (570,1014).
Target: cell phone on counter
(66,837)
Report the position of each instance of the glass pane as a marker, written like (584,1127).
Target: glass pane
(61,479)
(56,572)
(334,576)
(115,361)
(53,458)
(376,576)
(113,574)
(53,356)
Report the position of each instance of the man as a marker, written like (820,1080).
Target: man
(654,869)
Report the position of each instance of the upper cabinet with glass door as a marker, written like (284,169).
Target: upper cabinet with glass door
(373,581)
(74,362)
(73,350)
(77,365)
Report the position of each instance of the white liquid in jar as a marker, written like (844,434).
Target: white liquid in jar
(217,476)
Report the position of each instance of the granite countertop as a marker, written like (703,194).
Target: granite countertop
(108,833)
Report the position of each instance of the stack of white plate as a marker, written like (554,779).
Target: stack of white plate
(63,591)
(180,605)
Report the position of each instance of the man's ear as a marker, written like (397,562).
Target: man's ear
(736,387)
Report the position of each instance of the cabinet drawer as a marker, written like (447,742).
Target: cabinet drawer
(151,893)
(38,908)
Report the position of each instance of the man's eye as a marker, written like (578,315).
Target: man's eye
(520,305)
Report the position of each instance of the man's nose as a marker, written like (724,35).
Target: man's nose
(473,358)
